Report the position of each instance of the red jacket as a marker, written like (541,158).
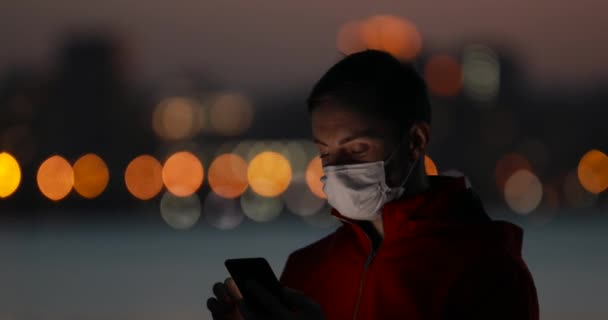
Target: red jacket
(441,257)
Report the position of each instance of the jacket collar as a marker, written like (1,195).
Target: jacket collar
(408,215)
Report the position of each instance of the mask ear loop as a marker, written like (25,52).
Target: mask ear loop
(407,177)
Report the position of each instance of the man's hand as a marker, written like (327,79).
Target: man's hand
(297,306)
(225,304)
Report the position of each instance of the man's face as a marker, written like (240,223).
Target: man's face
(345,136)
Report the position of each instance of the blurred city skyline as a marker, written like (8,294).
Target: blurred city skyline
(486,125)
(560,44)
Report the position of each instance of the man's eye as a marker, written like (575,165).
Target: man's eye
(358,149)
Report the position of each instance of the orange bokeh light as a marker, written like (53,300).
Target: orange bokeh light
(443,75)
(507,165)
(430,167)
(183,174)
(228,175)
(314,172)
(392,34)
(55,178)
(91,176)
(593,171)
(351,38)
(269,174)
(143,177)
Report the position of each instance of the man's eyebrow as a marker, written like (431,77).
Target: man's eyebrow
(368,133)
(317,141)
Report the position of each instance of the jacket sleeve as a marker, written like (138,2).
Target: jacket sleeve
(499,289)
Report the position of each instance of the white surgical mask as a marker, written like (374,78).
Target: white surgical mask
(359,191)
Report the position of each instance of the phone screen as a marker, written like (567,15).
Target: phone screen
(245,269)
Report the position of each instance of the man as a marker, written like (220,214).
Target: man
(411,246)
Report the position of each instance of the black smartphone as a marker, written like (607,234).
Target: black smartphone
(245,269)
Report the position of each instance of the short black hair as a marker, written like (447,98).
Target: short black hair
(376,83)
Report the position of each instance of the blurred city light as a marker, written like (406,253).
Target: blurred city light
(297,156)
(575,194)
(593,171)
(392,34)
(55,178)
(314,172)
(180,212)
(10,174)
(227,175)
(178,118)
(143,177)
(523,192)
(259,208)
(221,212)
(300,200)
(430,167)
(91,176)
(269,174)
(481,72)
(350,38)
(443,75)
(182,174)
(231,114)
(507,166)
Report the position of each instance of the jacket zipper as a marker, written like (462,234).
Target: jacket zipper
(370,257)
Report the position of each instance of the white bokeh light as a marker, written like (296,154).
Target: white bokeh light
(180,212)
(222,213)
(259,208)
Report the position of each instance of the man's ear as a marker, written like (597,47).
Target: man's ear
(419,138)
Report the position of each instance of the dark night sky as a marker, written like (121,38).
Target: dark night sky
(272,44)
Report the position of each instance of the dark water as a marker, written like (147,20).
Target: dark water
(132,271)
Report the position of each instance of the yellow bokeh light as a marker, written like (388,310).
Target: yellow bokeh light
(228,175)
(55,178)
(443,75)
(314,172)
(593,171)
(430,167)
(10,175)
(143,177)
(523,192)
(91,176)
(183,174)
(269,174)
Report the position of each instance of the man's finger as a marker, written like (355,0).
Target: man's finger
(233,290)
(271,303)
(214,306)
(219,290)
